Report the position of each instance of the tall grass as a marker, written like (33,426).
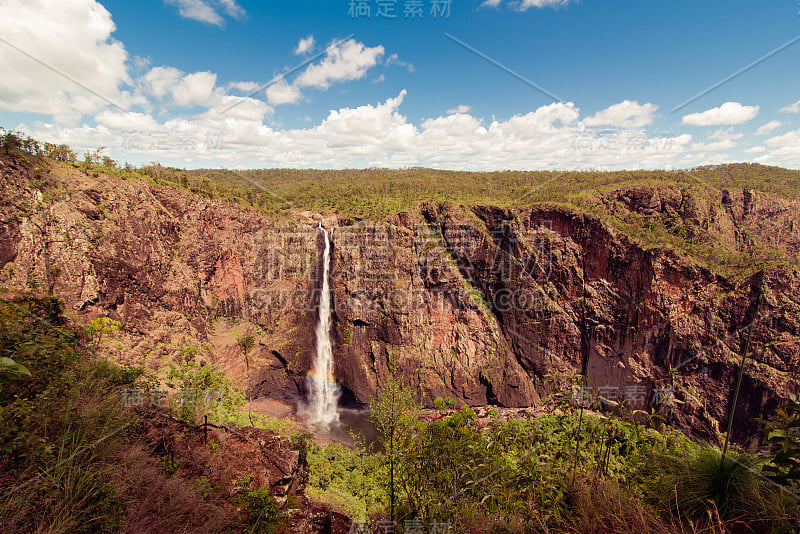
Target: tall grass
(692,487)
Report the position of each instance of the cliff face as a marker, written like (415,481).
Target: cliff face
(566,293)
(400,297)
(178,270)
(480,303)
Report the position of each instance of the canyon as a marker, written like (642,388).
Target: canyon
(488,304)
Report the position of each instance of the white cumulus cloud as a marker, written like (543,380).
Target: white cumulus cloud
(281,92)
(626,114)
(230,110)
(239,131)
(792,108)
(125,120)
(524,5)
(345,61)
(160,81)
(394,59)
(232,8)
(306,44)
(784,150)
(462,108)
(208,11)
(725,134)
(59,58)
(729,113)
(527,4)
(195,89)
(246,87)
(550,119)
(768,127)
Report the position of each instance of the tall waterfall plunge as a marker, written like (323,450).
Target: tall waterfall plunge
(324,392)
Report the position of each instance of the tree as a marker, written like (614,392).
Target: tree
(91,158)
(394,411)
(246,343)
(61,153)
(10,141)
(98,327)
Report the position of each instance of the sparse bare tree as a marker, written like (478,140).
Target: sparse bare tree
(246,342)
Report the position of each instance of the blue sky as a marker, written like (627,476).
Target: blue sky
(155,80)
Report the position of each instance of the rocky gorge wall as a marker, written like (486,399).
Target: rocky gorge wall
(485,304)
(488,305)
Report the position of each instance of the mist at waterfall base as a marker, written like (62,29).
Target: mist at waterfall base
(352,421)
(323,411)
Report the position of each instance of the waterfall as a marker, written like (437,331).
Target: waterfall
(324,392)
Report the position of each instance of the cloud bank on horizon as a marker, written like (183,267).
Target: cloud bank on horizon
(71,81)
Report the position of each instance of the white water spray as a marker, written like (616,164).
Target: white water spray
(324,393)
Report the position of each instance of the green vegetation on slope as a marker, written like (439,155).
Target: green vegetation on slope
(523,475)
(54,479)
(72,458)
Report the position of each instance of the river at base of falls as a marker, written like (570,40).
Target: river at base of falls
(350,420)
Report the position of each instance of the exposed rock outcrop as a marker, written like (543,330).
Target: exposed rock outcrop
(480,303)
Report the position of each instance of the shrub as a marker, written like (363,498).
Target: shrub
(204,390)
(264,512)
(688,484)
(783,433)
(351,481)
